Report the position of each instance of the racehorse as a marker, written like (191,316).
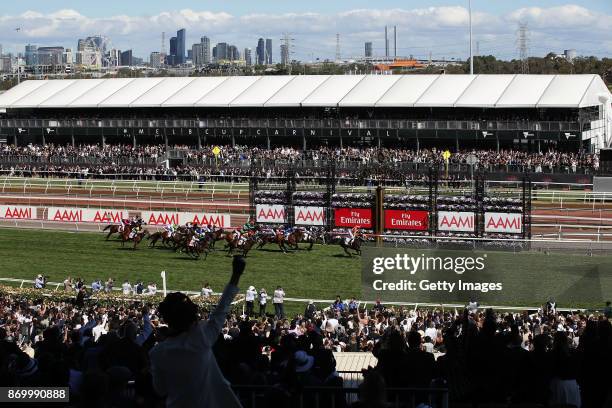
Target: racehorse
(113,229)
(199,247)
(125,236)
(244,244)
(217,235)
(272,237)
(340,240)
(156,236)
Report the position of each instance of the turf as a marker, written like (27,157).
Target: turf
(318,274)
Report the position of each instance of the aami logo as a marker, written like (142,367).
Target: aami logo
(108,216)
(455,221)
(67,215)
(163,219)
(271,213)
(503,222)
(209,220)
(18,213)
(310,215)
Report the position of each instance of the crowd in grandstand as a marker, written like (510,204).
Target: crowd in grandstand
(98,348)
(148,161)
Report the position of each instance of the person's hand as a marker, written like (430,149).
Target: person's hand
(238,266)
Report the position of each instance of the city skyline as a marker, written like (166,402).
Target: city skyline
(441,30)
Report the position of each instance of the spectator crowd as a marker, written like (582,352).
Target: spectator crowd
(149,162)
(100,349)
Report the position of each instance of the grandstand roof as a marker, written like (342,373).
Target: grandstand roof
(477,91)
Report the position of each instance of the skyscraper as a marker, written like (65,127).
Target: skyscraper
(368,50)
(180,46)
(248,58)
(222,53)
(30,54)
(260,52)
(268,51)
(155,59)
(127,58)
(233,53)
(205,41)
(172,46)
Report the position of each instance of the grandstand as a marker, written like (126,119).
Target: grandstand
(523,112)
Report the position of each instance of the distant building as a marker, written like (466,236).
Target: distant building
(268,51)
(570,55)
(248,58)
(190,55)
(180,45)
(50,56)
(222,52)
(137,61)
(127,58)
(368,50)
(260,52)
(233,53)
(173,46)
(205,41)
(30,54)
(114,58)
(284,51)
(155,59)
(68,57)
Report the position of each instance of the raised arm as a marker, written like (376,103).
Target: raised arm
(212,327)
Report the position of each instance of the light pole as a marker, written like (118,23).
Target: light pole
(470,22)
(18,29)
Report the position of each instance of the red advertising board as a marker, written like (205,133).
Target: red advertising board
(351,217)
(407,220)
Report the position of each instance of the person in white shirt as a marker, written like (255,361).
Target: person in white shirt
(151,289)
(263,300)
(251,293)
(278,299)
(100,328)
(431,332)
(126,287)
(183,367)
(206,291)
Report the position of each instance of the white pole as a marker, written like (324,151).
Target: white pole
(163,276)
(471,55)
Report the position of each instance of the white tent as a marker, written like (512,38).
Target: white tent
(474,91)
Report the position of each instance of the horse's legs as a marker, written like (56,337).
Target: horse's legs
(108,235)
(346,250)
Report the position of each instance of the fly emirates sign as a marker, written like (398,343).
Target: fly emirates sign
(406,220)
(351,217)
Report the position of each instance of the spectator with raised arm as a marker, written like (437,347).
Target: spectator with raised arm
(183,367)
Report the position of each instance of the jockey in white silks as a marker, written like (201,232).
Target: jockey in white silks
(353,233)
(170,228)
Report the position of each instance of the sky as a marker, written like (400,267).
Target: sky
(439,27)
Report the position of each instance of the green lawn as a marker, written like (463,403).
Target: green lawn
(318,274)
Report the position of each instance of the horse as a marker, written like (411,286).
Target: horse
(244,245)
(113,229)
(217,235)
(294,238)
(156,236)
(125,236)
(201,246)
(278,238)
(340,240)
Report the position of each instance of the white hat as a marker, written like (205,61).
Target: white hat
(251,287)
(303,362)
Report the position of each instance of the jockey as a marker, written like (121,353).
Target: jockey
(288,230)
(194,240)
(124,223)
(169,228)
(249,226)
(354,233)
(135,230)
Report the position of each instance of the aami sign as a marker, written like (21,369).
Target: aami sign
(351,217)
(271,213)
(104,215)
(504,222)
(407,220)
(218,220)
(455,221)
(17,212)
(65,214)
(309,215)
(161,217)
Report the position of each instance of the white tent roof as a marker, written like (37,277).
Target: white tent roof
(196,90)
(445,91)
(369,90)
(162,91)
(261,91)
(226,92)
(296,91)
(331,92)
(476,91)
